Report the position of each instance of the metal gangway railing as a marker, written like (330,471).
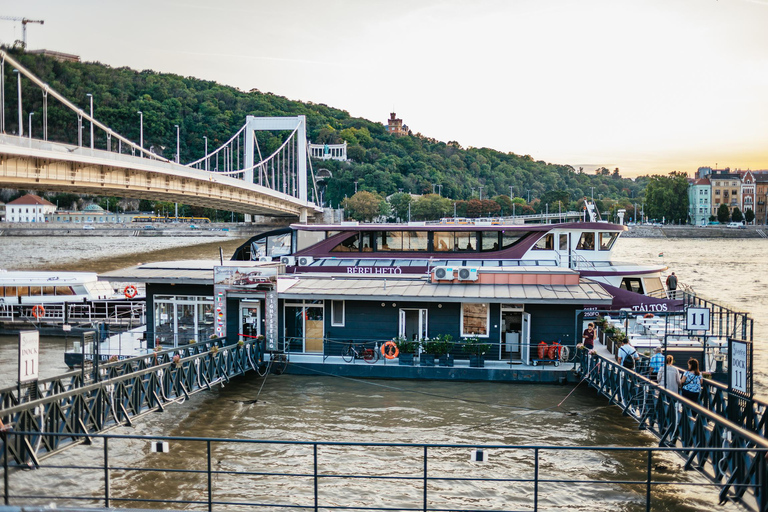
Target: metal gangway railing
(84,402)
(363,475)
(117,312)
(715,444)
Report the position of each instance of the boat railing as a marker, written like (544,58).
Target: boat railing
(579,262)
(105,311)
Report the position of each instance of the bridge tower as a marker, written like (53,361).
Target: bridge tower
(296,124)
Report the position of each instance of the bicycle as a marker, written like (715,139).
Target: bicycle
(351,352)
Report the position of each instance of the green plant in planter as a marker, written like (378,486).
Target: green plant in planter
(476,347)
(440,345)
(405,346)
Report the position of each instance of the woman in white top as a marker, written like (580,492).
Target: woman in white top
(672,376)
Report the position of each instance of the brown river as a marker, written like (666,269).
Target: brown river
(325,408)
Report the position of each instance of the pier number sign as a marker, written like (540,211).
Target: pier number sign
(697,319)
(29,350)
(738,367)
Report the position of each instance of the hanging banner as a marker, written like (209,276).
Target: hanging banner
(261,278)
(271,320)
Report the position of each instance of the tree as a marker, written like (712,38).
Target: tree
(667,197)
(723,215)
(364,206)
(737,216)
(431,207)
(749,215)
(399,203)
(505,203)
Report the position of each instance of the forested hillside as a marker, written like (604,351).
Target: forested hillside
(382,163)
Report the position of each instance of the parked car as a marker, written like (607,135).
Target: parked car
(149,226)
(736,225)
(88,226)
(192,226)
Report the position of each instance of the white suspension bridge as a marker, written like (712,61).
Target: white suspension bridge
(279,184)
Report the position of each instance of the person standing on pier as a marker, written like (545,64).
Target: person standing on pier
(656,362)
(589,336)
(672,285)
(669,377)
(691,381)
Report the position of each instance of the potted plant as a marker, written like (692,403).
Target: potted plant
(427,356)
(476,350)
(441,346)
(407,349)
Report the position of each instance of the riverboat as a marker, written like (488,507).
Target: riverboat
(44,287)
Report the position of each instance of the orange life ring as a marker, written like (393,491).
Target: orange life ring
(130,291)
(390,350)
(38,311)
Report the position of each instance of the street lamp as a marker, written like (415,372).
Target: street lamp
(206,152)
(481,191)
(177,143)
(21,125)
(90,97)
(141,132)
(30,125)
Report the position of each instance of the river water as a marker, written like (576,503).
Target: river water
(324,408)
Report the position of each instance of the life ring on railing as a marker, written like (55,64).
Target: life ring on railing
(130,291)
(390,350)
(38,311)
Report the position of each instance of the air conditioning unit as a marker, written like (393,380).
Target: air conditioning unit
(443,273)
(467,274)
(265,258)
(288,261)
(305,261)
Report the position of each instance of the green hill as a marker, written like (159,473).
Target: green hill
(382,163)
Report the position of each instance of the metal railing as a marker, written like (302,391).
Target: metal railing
(701,431)
(103,311)
(83,403)
(217,474)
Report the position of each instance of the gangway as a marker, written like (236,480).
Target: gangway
(83,403)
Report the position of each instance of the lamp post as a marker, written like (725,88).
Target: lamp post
(529,194)
(177,143)
(481,191)
(511,194)
(21,123)
(90,97)
(206,152)
(30,125)
(141,132)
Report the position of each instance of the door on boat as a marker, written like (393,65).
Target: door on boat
(511,331)
(250,320)
(303,327)
(525,338)
(413,324)
(564,250)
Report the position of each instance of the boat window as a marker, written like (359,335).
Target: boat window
(442,241)
(337,313)
(632,284)
(489,241)
(349,245)
(64,290)
(306,239)
(347,263)
(545,243)
(455,263)
(510,263)
(491,263)
(317,263)
(474,263)
(329,234)
(415,241)
(475,319)
(508,239)
(258,249)
(49,290)
(383,263)
(331,263)
(563,242)
(413,263)
(279,245)
(466,241)
(653,286)
(586,242)
(367,241)
(527,263)
(34,291)
(606,240)
(366,263)
(389,241)
(439,263)
(547,263)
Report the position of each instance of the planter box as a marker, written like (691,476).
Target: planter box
(476,361)
(427,359)
(405,359)
(446,360)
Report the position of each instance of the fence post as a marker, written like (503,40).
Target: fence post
(648,484)
(425,480)
(106,472)
(314,454)
(536,480)
(210,490)
(6,491)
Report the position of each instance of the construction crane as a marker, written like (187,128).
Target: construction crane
(24,22)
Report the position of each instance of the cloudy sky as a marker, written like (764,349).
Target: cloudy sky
(649,86)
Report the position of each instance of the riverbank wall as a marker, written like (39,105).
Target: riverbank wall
(694,232)
(223,229)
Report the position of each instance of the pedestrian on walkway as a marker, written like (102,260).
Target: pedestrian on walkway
(656,363)
(669,377)
(627,355)
(691,381)
(672,285)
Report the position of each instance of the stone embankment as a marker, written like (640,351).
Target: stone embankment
(234,230)
(695,232)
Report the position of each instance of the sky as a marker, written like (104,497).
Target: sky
(648,86)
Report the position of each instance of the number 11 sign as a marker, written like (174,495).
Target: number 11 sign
(697,319)
(29,346)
